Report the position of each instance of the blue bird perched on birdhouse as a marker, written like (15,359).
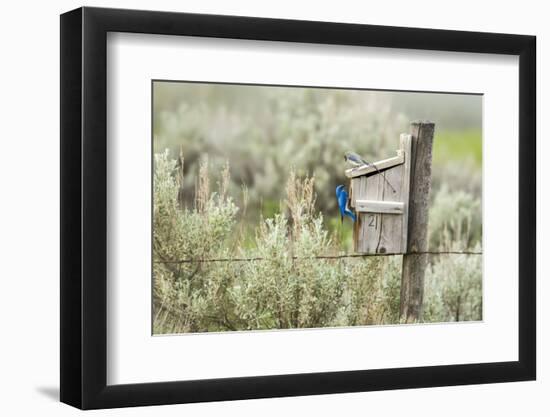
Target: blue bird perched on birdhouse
(342,198)
(353,159)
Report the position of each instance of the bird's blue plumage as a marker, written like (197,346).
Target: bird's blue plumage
(342,198)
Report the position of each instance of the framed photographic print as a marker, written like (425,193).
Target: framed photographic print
(257,207)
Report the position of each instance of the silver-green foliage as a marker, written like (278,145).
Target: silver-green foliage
(453,290)
(189,296)
(280,281)
(288,287)
(309,129)
(455,216)
(453,283)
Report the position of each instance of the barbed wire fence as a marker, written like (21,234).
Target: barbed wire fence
(322,257)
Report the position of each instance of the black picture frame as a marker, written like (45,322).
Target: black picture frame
(84,207)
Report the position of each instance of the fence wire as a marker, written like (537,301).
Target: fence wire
(355,255)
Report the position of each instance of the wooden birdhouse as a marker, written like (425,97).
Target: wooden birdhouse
(379,195)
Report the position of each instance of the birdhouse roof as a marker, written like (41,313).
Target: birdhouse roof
(379,165)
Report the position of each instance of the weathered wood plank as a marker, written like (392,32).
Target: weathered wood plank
(414,264)
(405,141)
(386,207)
(381,165)
(381,229)
(380,232)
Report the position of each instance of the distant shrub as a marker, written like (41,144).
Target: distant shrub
(455,215)
(305,128)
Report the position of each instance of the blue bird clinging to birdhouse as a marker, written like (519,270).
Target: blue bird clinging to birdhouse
(342,198)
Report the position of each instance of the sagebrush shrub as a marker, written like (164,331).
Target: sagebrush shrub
(456,214)
(279,281)
(453,284)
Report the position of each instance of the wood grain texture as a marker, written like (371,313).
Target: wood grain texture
(385,207)
(377,230)
(414,265)
(372,168)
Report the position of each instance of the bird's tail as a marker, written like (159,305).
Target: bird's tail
(351,215)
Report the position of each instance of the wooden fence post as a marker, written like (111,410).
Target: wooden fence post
(414,265)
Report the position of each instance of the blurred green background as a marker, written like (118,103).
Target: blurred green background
(256,140)
(264,131)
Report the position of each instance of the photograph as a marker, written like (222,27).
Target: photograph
(273,205)
(291,207)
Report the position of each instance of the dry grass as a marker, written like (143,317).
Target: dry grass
(180,178)
(300,200)
(202,189)
(224,181)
